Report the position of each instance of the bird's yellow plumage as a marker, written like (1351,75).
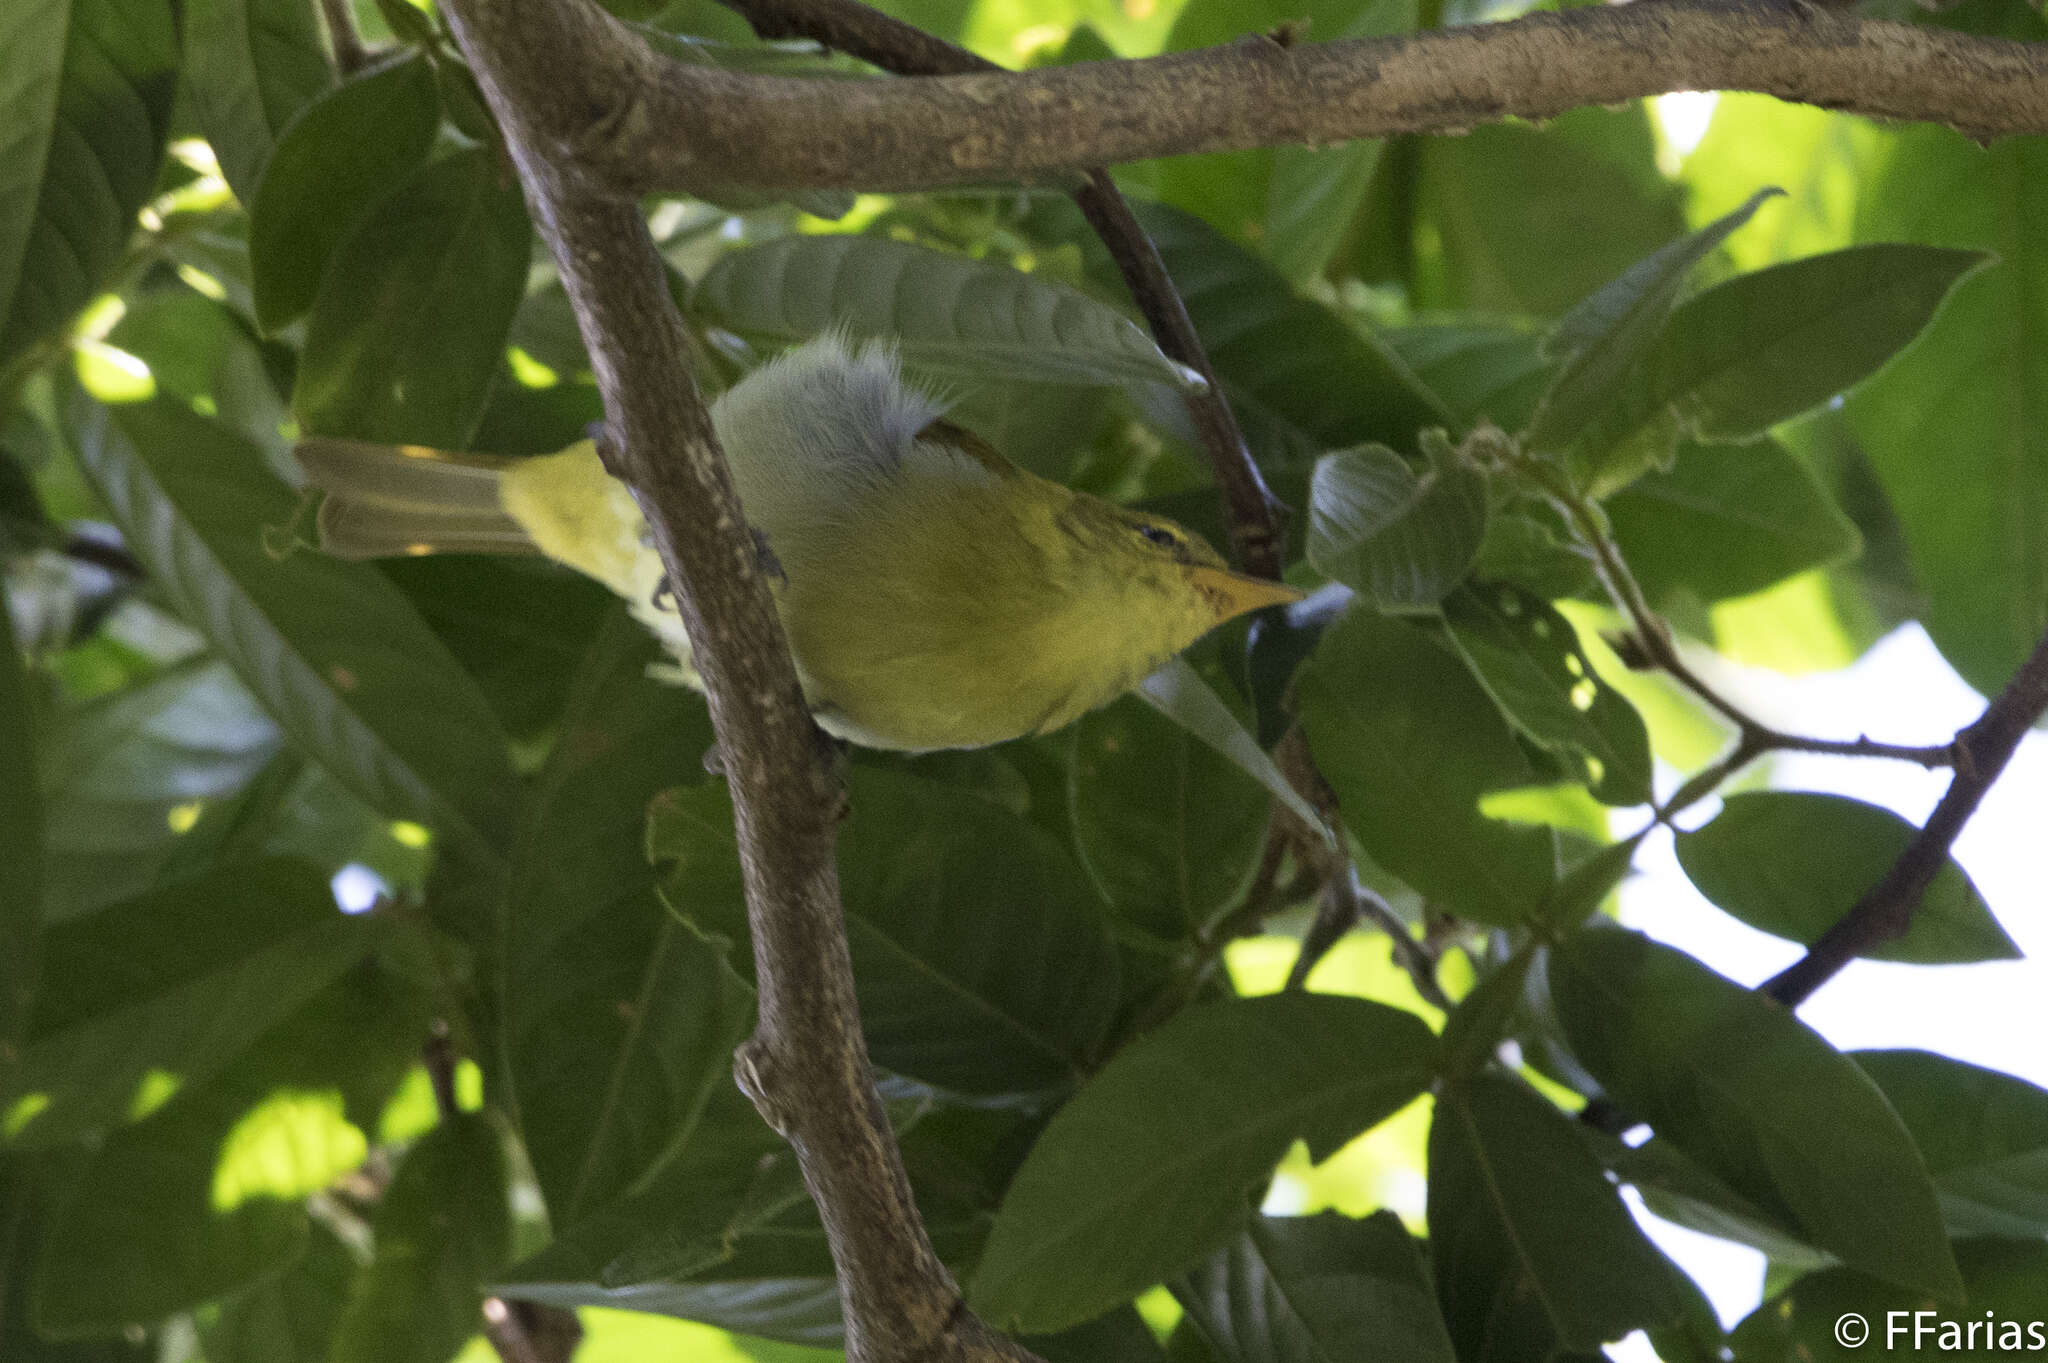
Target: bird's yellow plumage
(935,595)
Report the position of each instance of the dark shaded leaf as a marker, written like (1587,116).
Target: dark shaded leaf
(1321,1289)
(1791,863)
(1533,1250)
(1178,692)
(1411,742)
(21,848)
(1740,1085)
(443,1229)
(85,104)
(329,648)
(1984,1135)
(408,328)
(289,1318)
(29,1188)
(1146,1169)
(331,167)
(250,66)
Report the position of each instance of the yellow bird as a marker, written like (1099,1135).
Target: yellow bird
(935,594)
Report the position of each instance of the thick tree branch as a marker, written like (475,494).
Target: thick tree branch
(1886,909)
(1254,515)
(636,121)
(806,1066)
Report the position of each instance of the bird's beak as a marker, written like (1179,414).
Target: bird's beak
(1231,594)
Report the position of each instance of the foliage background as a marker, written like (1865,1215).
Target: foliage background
(219,1140)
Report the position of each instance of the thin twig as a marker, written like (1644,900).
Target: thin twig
(350,56)
(1256,518)
(806,1066)
(1886,910)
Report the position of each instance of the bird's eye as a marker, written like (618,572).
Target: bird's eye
(1165,539)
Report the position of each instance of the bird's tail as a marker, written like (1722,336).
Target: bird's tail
(388,500)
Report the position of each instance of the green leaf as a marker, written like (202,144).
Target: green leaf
(1677,1188)
(118,767)
(289,1318)
(201,353)
(1146,1169)
(949,314)
(21,847)
(250,66)
(331,167)
(982,952)
(329,648)
(1791,863)
(2005,1283)
(396,347)
(1529,659)
(206,1195)
(1739,1084)
(1168,828)
(1121,1336)
(1317,1289)
(170,986)
(1483,373)
(1533,1250)
(1474,1030)
(1178,692)
(1951,425)
(1602,339)
(1410,741)
(1301,378)
(1763,347)
(617,1017)
(1728,520)
(85,102)
(443,1229)
(1984,1135)
(1400,539)
(28,1191)
(1506,206)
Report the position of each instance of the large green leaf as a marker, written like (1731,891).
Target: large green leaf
(1147,1168)
(85,103)
(949,314)
(330,168)
(407,331)
(1322,1289)
(1168,827)
(121,769)
(1482,371)
(1177,691)
(1411,741)
(2005,1283)
(1739,1084)
(206,1195)
(1607,335)
(443,1228)
(1529,659)
(250,66)
(1506,207)
(1793,862)
(982,952)
(1952,426)
(1984,1135)
(1400,539)
(1121,1336)
(1533,1250)
(1728,520)
(1763,347)
(1301,378)
(329,648)
(199,352)
(21,847)
(617,1017)
(289,1318)
(29,1190)
(170,987)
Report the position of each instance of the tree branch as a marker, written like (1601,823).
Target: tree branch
(806,1066)
(1886,909)
(1254,515)
(637,121)
(349,53)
